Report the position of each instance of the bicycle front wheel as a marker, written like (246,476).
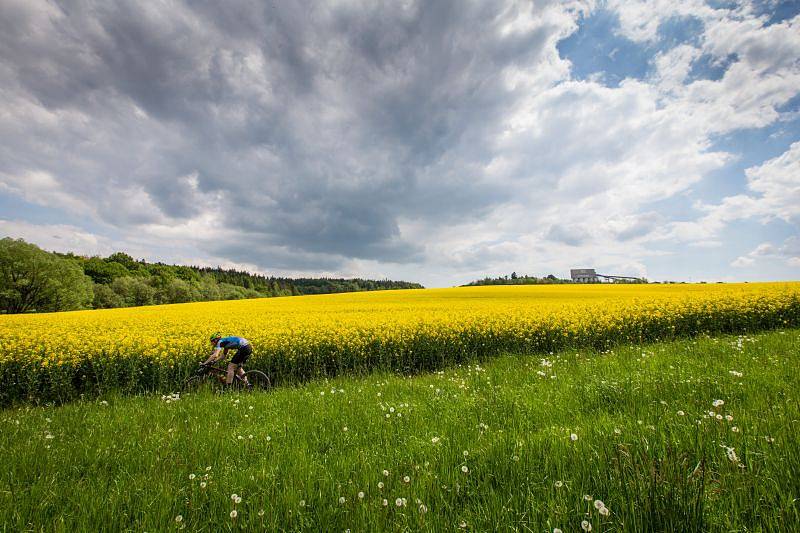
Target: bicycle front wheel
(200,383)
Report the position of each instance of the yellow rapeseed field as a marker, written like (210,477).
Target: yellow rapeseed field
(56,356)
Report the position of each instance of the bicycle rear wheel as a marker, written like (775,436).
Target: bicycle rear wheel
(258,380)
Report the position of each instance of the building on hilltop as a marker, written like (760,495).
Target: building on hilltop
(589,275)
(584,275)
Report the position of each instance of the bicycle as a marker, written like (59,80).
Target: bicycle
(213,378)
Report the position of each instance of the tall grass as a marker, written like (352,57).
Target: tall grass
(484,448)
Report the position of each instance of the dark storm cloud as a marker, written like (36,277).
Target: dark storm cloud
(319,128)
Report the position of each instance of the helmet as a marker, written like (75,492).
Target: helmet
(216,335)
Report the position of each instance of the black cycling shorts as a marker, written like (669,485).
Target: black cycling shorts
(242,354)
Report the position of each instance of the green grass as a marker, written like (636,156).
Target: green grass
(88,466)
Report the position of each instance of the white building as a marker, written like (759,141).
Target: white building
(584,275)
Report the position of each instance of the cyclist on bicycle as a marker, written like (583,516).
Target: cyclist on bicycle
(222,345)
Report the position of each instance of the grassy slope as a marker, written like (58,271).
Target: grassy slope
(127,464)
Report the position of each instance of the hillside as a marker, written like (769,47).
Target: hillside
(34,280)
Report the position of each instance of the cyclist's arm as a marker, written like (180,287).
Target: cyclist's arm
(215,356)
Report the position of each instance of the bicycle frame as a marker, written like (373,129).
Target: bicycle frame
(219,371)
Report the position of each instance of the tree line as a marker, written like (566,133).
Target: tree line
(34,280)
(524,279)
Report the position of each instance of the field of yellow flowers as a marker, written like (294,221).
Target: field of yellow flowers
(55,357)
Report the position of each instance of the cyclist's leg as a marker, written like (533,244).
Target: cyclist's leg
(242,354)
(231,369)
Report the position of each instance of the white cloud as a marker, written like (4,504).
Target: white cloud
(57,237)
(788,253)
(381,137)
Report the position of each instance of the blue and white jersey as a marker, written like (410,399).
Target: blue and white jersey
(232,343)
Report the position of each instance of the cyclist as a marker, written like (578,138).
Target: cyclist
(222,345)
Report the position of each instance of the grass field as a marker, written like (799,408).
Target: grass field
(518,442)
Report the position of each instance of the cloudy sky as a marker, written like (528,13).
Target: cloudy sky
(435,141)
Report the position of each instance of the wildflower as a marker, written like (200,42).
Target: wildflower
(586,526)
(617,431)
(191,476)
(559,484)
(386,473)
(731,453)
(238,500)
(399,502)
(261,512)
(208,469)
(250,436)
(202,484)
(557,530)
(681,413)
(423,509)
(341,500)
(598,504)
(604,511)
(385,502)
(234,496)
(344,429)
(729,418)
(361,495)
(406,479)
(735,429)
(465,469)
(434,440)
(302,503)
(587,497)
(462,525)
(466,453)
(179,518)
(573,437)
(718,403)
(380,484)
(234,514)
(269,438)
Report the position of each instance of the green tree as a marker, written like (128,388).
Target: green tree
(102,271)
(106,298)
(133,291)
(34,280)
